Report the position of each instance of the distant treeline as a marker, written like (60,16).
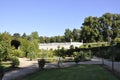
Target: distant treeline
(93,29)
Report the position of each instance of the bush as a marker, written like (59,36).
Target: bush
(18,53)
(1,72)
(15,62)
(31,55)
(41,63)
(83,55)
(88,55)
(117,40)
(76,59)
(117,52)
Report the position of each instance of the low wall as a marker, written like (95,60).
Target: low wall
(48,46)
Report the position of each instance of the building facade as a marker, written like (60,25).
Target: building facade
(48,46)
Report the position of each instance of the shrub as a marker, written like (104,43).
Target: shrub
(117,40)
(41,63)
(1,72)
(31,55)
(18,53)
(14,62)
(76,59)
(83,55)
(88,55)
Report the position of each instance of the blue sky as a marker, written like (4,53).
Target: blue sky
(50,17)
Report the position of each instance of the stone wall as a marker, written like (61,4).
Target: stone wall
(48,46)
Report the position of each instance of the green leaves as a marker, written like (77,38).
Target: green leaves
(100,29)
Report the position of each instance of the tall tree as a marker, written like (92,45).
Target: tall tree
(24,35)
(5,40)
(68,35)
(34,35)
(90,30)
(16,35)
(41,39)
(76,35)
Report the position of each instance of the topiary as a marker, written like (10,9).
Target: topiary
(41,63)
(76,59)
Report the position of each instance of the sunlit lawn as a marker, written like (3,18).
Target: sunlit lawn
(81,72)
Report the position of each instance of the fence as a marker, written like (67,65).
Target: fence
(112,65)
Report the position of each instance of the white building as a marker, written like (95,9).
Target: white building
(48,46)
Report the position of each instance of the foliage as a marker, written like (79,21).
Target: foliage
(25,46)
(117,52)
(82,56)
(14,62)
(100,29)
(95,44)
(94,29)
(4,50)
(5,39)
(1,53)
(16,35)
(76,57)
(68,35)
(17,53)
(41,63)
(60,52)
(47,54)
(1,72)
(34,35)
(30,48)
(117,40)
(107,52)
(31,55)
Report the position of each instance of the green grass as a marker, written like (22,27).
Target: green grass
(81,72)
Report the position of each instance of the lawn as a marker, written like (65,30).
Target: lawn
(81,72)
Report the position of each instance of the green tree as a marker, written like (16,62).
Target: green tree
(41,39)
(25,46)
(68,35)
(5,40)
(76,35)
(86,34)
(90,30)
(24,35)
(16,35)
(34,35)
